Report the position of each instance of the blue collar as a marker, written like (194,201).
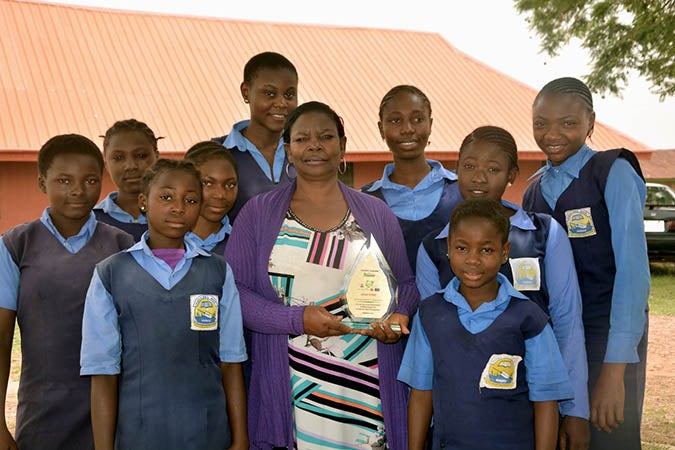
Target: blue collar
(571,166)
(437,173)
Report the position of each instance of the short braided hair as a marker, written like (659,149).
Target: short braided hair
(204,151)
(497,136)
(130,125)
(393,92)
(166,165)
(569,86)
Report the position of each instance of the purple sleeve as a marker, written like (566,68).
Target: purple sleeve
(375,217)
(408,295)
(247,253)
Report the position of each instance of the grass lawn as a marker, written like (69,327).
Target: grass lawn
(662,294)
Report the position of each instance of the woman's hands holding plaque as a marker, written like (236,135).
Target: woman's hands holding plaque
(319,322)
(383,332)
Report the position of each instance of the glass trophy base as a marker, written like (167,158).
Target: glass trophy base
(366,325)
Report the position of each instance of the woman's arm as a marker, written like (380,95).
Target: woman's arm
(247,253)
(387,232)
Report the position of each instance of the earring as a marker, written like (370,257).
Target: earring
(245,99)
(509,184)
(288,174)
(142,208)
(342,168)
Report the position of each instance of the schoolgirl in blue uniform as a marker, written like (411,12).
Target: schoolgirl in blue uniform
(219,192)
(480,353)
(162,332)
(420,192)
(598,197)
(45,267)
(540,266)
(129,147)
(270,88)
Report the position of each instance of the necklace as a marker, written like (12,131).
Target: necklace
(316,230)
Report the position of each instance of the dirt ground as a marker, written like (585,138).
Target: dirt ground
(658,420)
(659,414)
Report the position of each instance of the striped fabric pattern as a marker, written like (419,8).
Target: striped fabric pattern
(334,380)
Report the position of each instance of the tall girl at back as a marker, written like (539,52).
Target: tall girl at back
(270,88)
(540,263)
(598,197)
(219,192)
(420,192)
(162,332)
(129,148)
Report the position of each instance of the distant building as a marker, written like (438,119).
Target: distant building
(66,69)
(660,168)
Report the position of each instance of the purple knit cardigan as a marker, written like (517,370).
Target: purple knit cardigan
(248,250)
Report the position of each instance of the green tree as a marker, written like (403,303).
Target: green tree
(620,36)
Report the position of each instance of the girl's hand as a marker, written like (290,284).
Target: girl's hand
(239,446)
(607,398)
(6,440)
(319,322)
(574,434)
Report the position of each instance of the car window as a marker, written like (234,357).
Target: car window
(660,196)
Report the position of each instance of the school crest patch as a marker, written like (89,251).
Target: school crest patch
(500,372)
(526,273)
(579,223)
(203,312)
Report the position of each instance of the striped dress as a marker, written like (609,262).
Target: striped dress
(334,380)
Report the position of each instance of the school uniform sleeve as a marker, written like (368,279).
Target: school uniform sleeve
(417,368)
(9,279)
(232,346)
(625,197)
(546,373)
(101,338)
(426,275)
(565,312)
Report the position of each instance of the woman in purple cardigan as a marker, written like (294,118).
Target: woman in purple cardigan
(316,382)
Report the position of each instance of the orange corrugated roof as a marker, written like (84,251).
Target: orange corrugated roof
(79,69)
(660,166)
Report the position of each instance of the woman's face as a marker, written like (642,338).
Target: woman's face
(315,147)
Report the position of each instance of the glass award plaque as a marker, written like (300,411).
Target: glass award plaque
(369,293)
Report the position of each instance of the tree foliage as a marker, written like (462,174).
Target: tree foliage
(620,36)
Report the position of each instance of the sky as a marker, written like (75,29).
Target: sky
(490,31)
